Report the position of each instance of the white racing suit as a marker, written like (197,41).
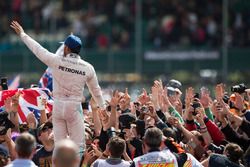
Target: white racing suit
(70,74)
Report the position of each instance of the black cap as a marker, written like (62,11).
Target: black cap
(126,119)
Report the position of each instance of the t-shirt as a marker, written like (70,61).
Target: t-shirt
(221,161)
(156,158)
(43,158)
(111,163)
(193,161)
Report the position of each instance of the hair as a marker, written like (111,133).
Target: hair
(3,161)
(234,152)
(76,50)
(25,144)
(65,153)
(116,146)
(153,137)
(169,132)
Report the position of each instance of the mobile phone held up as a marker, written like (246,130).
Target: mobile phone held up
(4,83)
(40,103)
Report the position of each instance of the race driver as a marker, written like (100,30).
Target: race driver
(70,74)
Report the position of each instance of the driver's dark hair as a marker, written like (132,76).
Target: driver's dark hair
(76,50)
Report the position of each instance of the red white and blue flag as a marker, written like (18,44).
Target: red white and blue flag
(27,101)
(14,84)
(46,80)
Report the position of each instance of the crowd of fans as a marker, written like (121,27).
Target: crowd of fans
(111,24)
(190,128)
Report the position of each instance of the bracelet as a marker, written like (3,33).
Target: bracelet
(203,131)
(205,119)
(203,127)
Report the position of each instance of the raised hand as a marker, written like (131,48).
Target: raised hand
(165,98)
(127,96)
(16,27)
(239,102)
(155,97)
(8,104)
(205,98)
(15,101)
(105,118)
(144,98)
(115,99)
(219,91)
(88,156)
(31,120)
(189,96)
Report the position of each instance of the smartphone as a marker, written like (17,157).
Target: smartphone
(4,83)
(197,95)
(144,109)
(40,103)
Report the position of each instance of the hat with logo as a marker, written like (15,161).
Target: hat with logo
(73,42)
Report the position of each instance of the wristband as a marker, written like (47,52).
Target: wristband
(205,119)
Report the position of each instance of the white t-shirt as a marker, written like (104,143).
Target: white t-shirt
(111,163)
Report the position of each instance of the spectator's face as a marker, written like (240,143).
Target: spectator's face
(46,135)
(96,142)
(149,121)
(123,103)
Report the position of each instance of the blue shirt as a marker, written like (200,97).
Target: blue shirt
(22,163)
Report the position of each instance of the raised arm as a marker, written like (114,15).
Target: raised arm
(41,53)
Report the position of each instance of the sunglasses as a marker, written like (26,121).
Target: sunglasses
(45,129)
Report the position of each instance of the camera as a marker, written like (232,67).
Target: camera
(5,123)
(197,95)
(195,105)
(4,83)
(239,88)
(111,132)
(216,149)
(108,108)
(144,109)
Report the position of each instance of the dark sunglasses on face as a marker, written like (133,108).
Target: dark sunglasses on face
(45,129)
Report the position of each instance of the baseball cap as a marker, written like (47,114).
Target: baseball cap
(126,120)
(73,42)
(175,84)
(43,127)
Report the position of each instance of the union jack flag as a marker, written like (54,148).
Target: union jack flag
(27,101)
(46,80)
